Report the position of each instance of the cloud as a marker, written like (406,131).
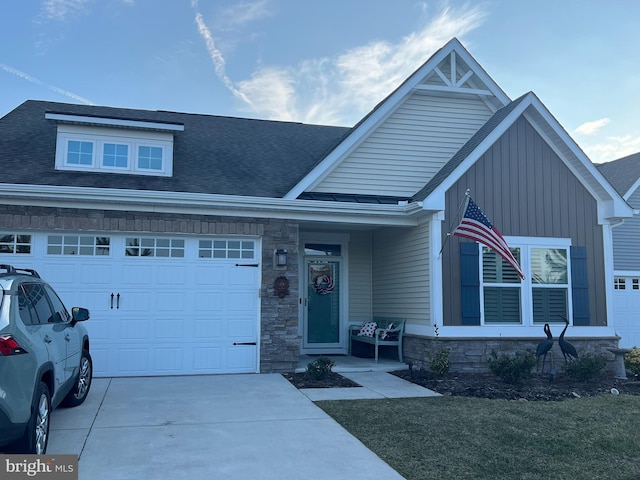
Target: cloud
(216,56)
(60,9)
(339,90)
(34,80)
(589,128)
(613,148)
(245,12)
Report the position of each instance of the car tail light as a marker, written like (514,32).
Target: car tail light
(8,346)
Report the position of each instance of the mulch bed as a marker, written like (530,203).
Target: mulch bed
(536,388)
(332,380)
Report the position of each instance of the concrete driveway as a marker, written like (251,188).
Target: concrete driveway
(218,427)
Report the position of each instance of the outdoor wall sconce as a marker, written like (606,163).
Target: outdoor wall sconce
(281,287)
(280,258)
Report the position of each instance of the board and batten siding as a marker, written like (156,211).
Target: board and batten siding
(401,273)
(626,240)
(525,190)
(409,148)
(360,276)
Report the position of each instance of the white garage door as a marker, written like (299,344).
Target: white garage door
(627,310)
(159,305)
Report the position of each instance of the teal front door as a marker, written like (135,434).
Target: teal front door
(322,325)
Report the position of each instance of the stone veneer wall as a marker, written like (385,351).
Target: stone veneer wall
(470,355)
(280,341)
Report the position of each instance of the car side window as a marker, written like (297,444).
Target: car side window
(61,313)
(26,309)
(38,298)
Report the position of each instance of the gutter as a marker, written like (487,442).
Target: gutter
(403,214)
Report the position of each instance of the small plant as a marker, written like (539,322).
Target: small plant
(320,368)
(632,361)
(512,369)
(439,360)
(587,367)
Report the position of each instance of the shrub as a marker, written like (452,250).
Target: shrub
(320,368)
(439,362)
(632,361)
(587,367)
(512,369)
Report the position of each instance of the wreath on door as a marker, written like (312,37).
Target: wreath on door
(323,284)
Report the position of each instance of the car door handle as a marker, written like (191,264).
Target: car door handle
(47,339)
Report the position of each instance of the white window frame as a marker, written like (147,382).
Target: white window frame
(526,244)
(99,136)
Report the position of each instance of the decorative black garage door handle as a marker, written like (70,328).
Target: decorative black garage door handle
(118,301)
(111,300)
(247,265)
(244,343)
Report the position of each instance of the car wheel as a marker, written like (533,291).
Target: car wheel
(36,437)
(80,390)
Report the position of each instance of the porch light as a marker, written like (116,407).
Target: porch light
(280,258)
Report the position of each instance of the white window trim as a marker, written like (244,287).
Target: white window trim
(101,136)
(525,244)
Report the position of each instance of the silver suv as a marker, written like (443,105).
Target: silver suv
(44,359)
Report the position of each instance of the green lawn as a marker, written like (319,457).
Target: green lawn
(472,438)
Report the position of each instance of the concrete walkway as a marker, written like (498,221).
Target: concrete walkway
(373,385)
(219,427)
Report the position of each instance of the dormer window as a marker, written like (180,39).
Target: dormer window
(142,150)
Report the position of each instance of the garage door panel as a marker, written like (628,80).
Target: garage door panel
(134,329)
(64,273)
(169,360)
(242,302)
(240,357)
(209,328)
(209,302)
(171,275)
(207,359)
(138,274)
(132,360)
(100,274)
(210,274)
(170,328)
(171,301)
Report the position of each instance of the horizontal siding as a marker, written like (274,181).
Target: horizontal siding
(526,190)
(626,240)
(407,150)
(401,273)
(360,276)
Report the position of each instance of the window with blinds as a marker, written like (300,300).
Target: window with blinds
(502,288)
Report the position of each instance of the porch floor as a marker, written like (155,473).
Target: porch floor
(349,363)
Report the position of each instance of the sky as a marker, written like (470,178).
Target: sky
(325,62)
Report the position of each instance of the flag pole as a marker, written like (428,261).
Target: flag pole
(467,195)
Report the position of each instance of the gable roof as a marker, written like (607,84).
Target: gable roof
(213,155)
(624,174)
(438,75)
(610,204)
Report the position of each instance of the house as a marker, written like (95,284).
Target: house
(206,244)
(624,175)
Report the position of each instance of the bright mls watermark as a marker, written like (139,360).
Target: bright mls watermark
(51,467)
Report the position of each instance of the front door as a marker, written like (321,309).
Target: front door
(323,330)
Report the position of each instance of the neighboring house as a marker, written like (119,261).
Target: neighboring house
(205,244)
(624,175)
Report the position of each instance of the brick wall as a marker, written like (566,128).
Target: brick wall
(280,341)
(471,354)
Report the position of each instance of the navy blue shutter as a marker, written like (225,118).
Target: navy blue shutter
(579,286)
(470,282)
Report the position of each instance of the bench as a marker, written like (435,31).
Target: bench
(393,338)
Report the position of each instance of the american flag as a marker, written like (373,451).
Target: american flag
(476,226)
